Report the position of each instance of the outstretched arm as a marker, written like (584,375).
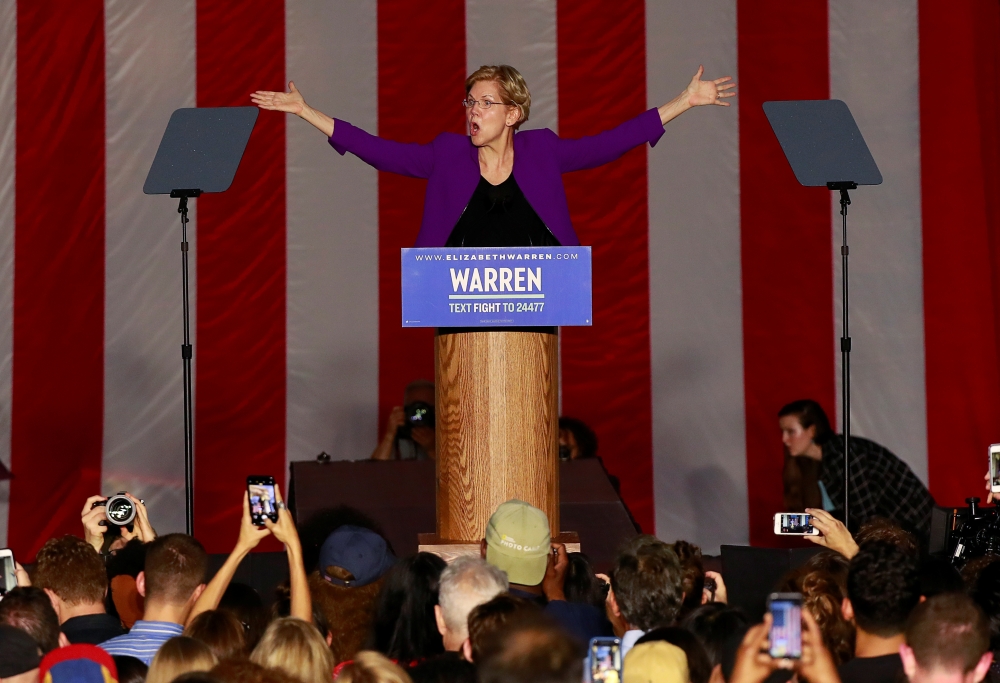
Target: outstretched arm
(292,102)
(605,147)
(698,93)
(414,160)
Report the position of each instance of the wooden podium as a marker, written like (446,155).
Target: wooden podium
(497,382)
(497,412)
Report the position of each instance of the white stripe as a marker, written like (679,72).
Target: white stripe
(332,225)
(696,334)
(874,67)
(8,113)
(150,66)
(521,33)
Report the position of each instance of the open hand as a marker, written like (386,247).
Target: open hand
(701,92)
(291,102)
(989,488)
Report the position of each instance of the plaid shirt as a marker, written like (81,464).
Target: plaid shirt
(882,485)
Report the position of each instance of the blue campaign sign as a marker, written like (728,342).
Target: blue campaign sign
(496,287)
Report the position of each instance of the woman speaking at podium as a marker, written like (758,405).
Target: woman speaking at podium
(494,187)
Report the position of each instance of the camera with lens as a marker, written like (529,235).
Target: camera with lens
(972,532)
(418,414)
(119,510)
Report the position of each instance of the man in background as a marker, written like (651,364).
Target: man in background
(947,641)
(465,584)
(409,431)
(883,587)
(172,582)
(646,588)
(73,575)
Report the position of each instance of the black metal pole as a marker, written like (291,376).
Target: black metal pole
(845,356)
(186,355)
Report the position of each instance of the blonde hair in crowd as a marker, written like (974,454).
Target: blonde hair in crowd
(510,83)
(180,655)
(372,667)
(297,648)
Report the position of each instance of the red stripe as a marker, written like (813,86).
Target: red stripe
(606,368)
(240,345)
(787,260)
(58,372)
(421,81)
(961,230)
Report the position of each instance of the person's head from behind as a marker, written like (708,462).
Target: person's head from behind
(221,631)
(130,669)
(577,441)
(823,597)
(518,542)
(581,583)
(530,649)
(297,648)
(446,668)
(465,583)
(19,655)
(372,667)
(404,628)
(497,103)
(882,529)
(692,574)
(245,671)
(714,624)
(660,661)
(29,609)
(646,585)
(803,423)
(73,575)
(244,603)
(947,639)
(883,587)
(985,591)
(492,616)
(173,576)
(179,655)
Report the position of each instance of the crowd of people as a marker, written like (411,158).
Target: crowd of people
(139,607)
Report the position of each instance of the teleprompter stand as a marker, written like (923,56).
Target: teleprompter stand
(824,147)
(199,152)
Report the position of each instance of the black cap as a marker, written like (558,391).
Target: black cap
(19,653)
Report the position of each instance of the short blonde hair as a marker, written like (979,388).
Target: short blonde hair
(297,648)
(510,82)
(180,655)
(372,667)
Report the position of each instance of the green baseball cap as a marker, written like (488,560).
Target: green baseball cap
(518,542)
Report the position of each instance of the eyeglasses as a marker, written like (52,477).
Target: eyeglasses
(469,103)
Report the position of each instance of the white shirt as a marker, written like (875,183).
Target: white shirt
(628,640)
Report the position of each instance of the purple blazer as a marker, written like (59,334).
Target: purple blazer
(451,165)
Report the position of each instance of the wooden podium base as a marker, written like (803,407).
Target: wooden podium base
(497,425)
(450,550)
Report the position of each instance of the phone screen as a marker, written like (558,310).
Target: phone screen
(786,629)
(995,468)
(9,571)
(605,660)
(262,499)
(797,523)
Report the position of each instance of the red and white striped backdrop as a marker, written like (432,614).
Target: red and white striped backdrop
(716,282)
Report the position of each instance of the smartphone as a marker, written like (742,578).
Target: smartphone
(995,467)
(605,656)
(9,578)
(263,502)
(786,625)
(794,524)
